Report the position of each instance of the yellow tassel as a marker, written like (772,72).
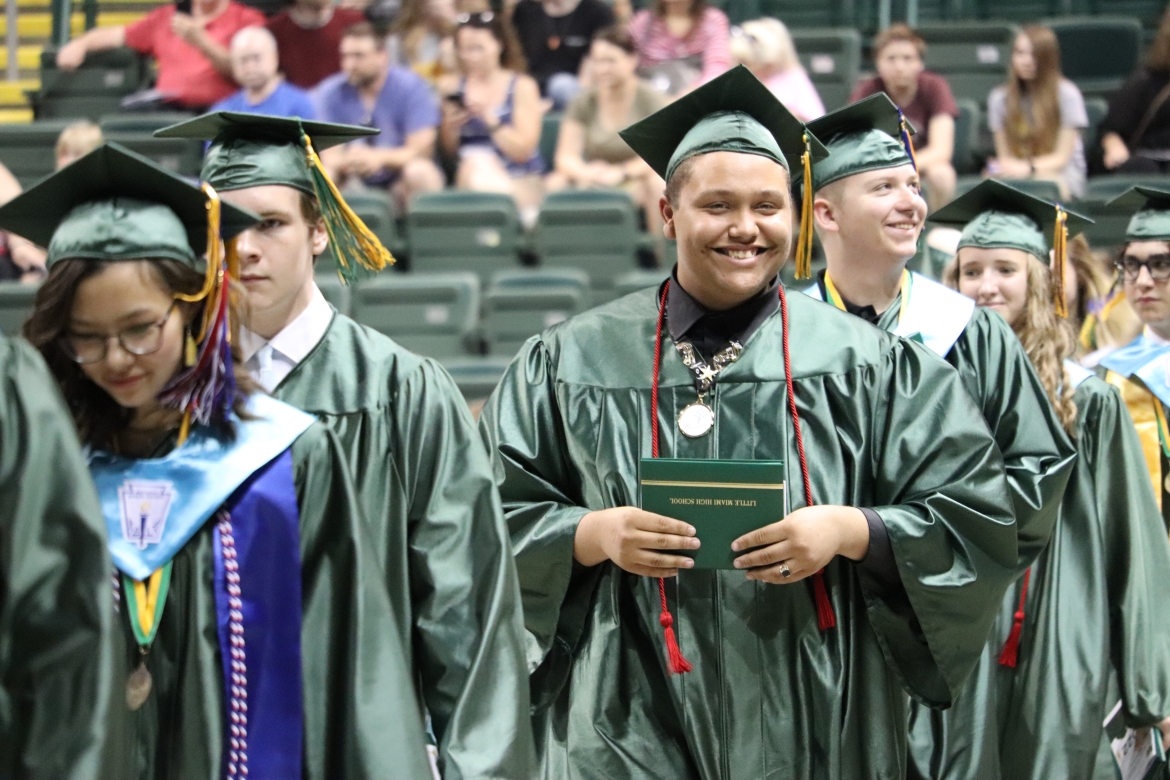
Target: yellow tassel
(1060,257)
(351,240)
(214,277)
(805,239)
(190,353)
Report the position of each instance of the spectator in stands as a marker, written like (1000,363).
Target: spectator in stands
(308,37)
(681,44)
(423,37)
(20,260)
(194,68)
(925,99)
(492,113)
(590,153)
(395,100)
(766,49)
(255,65)
(1135,134)
(556,35)
(77,140)
(1037,117)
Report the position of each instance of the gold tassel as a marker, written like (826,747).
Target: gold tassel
(805,239)
(348,235)
(1060,258)
(190,353)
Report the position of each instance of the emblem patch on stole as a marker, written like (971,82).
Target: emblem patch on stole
(145,504)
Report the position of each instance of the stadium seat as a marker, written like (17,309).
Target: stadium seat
(1037,187)
(457,230)
(1108,229)
(377,210)
(832,58)
(28,151)
(550,130)
(183,156)
(144,122)
(1098,53)
(431,314)
(973,56)
(593,230)
(966,137)
(797,14)
(521,303)
(1021,11)
(476,377)
(1096,108)
(16,304)
(91,91)
(334,290)
(640,280)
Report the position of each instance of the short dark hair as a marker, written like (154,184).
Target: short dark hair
(895,33)
(310,211)
(678,180)
(617,35)
(365,30)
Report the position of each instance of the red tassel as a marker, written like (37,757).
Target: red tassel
(675,662)
(1011,648)
(825,617)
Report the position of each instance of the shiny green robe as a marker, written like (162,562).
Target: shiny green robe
(886,425)
(1095,603)
(56,625)
(361,719)
(425,486)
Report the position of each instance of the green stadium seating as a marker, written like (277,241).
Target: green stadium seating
(973,56)
(456,230)
(334,290)
(28,150)
(431,314)
(183,156)
(1108,230)
(377,210)
(476,377)
(1037,187)
(1096,108)
(16,304)
(1021,11)
(797,14)
(593,230)
(832,58)
(143,122)
(521,303)
(550,130)
(640,280)
(94,89)
(1098,53)
(967,136)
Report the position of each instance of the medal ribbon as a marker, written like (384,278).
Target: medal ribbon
(145,601)
(1163,429)
(907,283)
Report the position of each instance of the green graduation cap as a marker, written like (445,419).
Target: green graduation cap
(733,112)
(996,215)
(1151,222)
(113,204)
(253,150)
(868,135)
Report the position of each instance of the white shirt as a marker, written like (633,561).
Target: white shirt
(270,361)
(1154,337)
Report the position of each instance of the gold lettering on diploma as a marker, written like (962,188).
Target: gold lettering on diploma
(742,502)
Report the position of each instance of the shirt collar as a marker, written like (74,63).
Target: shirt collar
(684,313)
(1154,337)
(297,339)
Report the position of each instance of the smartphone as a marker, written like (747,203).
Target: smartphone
(454,97)
(183,6)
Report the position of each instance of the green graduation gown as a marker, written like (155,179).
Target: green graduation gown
(885,424)
(425,486)
(1093,605)
(361,719)
(56,626)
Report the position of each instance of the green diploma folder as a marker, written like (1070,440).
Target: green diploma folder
(722,499)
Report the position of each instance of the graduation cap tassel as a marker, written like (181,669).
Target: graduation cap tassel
(353,243)
(1011,648)
(1060,257)
(805,239)
(904,131)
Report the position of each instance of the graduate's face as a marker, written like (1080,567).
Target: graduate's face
(129,299)
(276,256)
(877,213)
(1149,298)
(733,225)
(995,278)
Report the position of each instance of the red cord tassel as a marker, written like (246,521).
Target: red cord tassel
(825,617)
(675,662)
(1011,648)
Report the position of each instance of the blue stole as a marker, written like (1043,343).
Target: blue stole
(1146,361)
(935,317)
(155,506)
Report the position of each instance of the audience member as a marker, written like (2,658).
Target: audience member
(681,44)
(194,69)
(308,38)
(766,49)
(590,153)
(77,140)
(492,113)
(1037,117)
(924,98)
(1135,134)
(20,259)
(556,36)
(255,65)
(395,100)
(423,38)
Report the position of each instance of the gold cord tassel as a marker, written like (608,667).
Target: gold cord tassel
(1060,258)
(351,240)
(805,239)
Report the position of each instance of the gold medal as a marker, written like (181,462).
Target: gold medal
(695,420)
(138,686)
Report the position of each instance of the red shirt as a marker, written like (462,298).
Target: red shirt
(184,73)
(308,56)
(933,97)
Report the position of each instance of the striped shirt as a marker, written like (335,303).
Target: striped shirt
(710,38)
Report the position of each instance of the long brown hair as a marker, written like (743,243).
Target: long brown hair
(511,55)
(1158,59)
(98,417)
(1034,132)
(414,22)
(1092,281)
(1047,338)
(697,9)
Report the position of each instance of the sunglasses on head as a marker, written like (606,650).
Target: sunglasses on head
(480,19)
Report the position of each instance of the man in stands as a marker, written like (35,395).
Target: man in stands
(264,90)
(395,100)
(308,35)
(925,99)
(194,67)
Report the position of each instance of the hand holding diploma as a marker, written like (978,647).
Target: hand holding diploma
(634,540)
(804,541)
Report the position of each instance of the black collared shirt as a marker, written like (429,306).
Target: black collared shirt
(867,313)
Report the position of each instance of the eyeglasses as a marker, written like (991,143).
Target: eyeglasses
(480,19)
(137,340)
(1157,265)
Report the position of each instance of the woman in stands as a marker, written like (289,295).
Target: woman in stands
(681,44)
(590,153)
(765,47)
(1037,117)
(422,37)
(1135,134)
(492,113)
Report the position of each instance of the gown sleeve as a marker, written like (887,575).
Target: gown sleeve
(361,709)
(56,625)
(468,617)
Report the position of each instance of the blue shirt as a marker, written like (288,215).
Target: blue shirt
(286,100)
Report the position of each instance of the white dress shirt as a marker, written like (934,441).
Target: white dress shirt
(269,361)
